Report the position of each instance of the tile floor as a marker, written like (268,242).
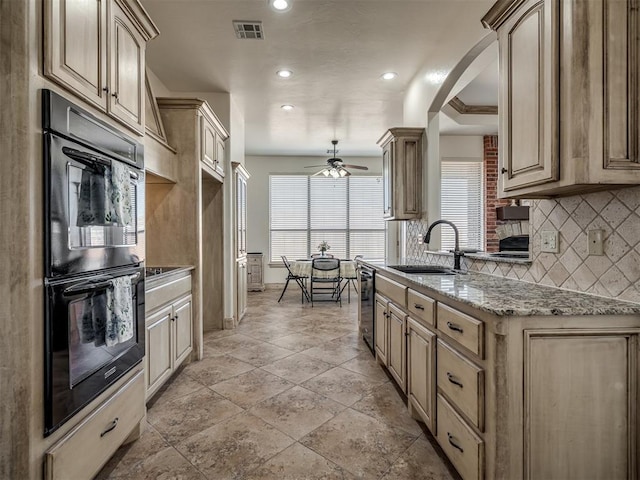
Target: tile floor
(292,393)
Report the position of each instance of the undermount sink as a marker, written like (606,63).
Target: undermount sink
(424,269)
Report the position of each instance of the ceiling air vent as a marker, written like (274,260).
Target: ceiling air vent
(248,29)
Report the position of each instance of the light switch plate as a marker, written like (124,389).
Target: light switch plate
(549,241)
(596,242)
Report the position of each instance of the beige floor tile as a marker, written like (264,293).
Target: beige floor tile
(386,405)
(219,346)
(297,462)
(164,464)
(261,355)
(419,462)
(231,449)
(296,342)
(297,411)
(178,386)
(128,456)
(366,364)
(334,353)
(252,387)
(358,443)
(184,416)
(213,334)
(341,385)
(298,368)
(327,332)
(352,339)
(215,369)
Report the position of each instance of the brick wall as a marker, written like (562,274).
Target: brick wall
(491,192)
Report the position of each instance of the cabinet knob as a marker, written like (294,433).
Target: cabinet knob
(504,170)
(105,89)
(114,95)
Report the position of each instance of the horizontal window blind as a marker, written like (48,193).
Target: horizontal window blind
(344,212)
(462,202)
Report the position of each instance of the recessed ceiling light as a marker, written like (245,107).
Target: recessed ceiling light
(389,75)
(284,73)
(287,107)
(280,5)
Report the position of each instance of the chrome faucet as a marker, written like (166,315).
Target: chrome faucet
(456,248)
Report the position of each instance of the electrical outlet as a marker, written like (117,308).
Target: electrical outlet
(549,241)
(596,242)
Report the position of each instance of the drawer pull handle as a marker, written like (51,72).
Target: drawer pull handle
(454,327)
(453,380)
(113,425)
(454,444)
(418,306)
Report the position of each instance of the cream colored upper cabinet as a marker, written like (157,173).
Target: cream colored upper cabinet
(96,50)
(213,136)
(126,69)
(569,96)
(402,173)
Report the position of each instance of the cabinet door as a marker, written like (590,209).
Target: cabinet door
(529,96)
(183,329)
(387,180)
(75,47)
(208,143)
(241,289)
(241,216)
(421,361)
(219,156)
(580,403)
(126,69)
(159,364)
(381,329)
(397,354)
(254,275)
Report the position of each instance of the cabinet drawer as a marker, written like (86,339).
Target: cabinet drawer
(466,330)
(167,292)
(421,306)
(254,261)
(87,447)
(462,382)
(464,448)
(394,291)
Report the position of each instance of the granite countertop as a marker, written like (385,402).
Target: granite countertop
(153,274)
(507,297)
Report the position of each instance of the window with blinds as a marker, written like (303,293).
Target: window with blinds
(462,202)
(344,212)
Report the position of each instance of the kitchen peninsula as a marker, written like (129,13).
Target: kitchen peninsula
(515,380)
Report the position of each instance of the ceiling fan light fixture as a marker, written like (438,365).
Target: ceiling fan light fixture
(325,172)
(280,5)
(284,73)
(334,173)
(342,172)
(389,75)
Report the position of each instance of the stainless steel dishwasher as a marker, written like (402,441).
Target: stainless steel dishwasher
(366,281)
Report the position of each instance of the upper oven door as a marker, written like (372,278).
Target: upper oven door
(94,209)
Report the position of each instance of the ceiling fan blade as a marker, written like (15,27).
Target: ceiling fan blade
(315,166)
(357,167)
(317,173)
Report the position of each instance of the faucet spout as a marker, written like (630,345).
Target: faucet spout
(457,254)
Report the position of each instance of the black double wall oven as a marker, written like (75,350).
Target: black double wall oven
(94,257)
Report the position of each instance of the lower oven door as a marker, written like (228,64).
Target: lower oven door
(94,335)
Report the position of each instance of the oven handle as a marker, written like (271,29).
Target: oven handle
(92,286)
(91,160)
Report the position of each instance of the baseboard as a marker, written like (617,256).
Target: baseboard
(228,323)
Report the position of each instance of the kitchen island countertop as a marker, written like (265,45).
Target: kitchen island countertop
(507,297)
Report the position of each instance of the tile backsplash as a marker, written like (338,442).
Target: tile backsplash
(615,274)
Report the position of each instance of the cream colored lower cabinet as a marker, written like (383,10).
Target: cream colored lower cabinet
(397,353)
(241,288)
(381,329)
(169,329)
(581,403)
(421,378)
(84,450)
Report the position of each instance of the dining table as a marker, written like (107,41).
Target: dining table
(348,272)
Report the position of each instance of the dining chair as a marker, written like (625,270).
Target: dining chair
(319,255)
(326,271)
(301,281)
(351,280)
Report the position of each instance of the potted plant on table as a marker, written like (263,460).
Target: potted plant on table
(323,246)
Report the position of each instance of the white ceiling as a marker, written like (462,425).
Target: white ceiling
(337,50)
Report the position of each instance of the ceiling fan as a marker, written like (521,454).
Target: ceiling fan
(335,167)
